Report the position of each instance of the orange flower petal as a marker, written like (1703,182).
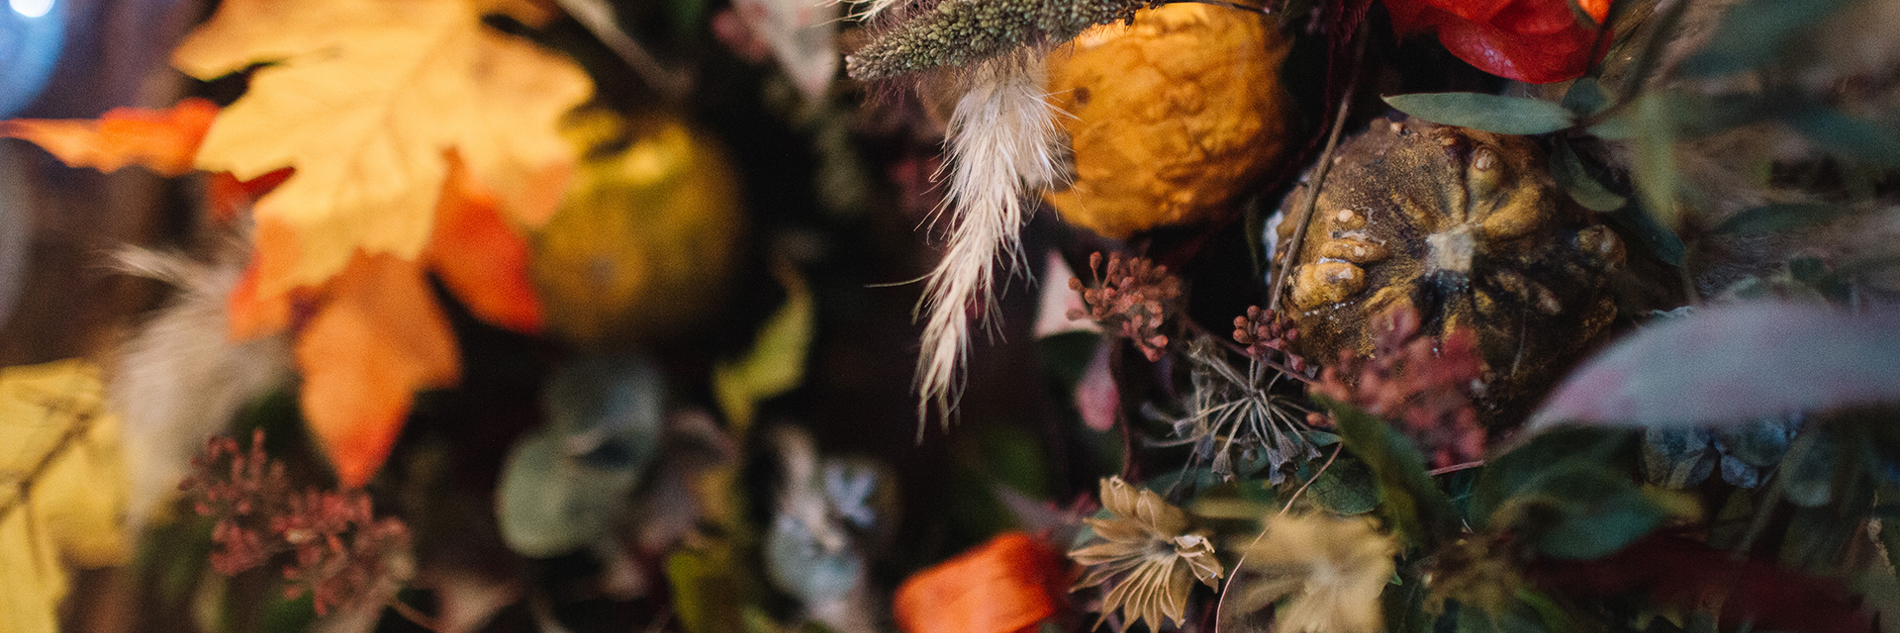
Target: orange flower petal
(165,141)
(1006,585)
(480,257)
(377,339)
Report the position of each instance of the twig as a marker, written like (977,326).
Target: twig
(598,18)
(82,422)
(1310,480)
(1454,468)
(1319,179)
(410,613)
(1221,604)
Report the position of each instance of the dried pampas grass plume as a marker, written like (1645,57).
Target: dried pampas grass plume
(1002,141)
(180,378)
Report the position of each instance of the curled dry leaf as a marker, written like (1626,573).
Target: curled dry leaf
(164,141)
(362,98)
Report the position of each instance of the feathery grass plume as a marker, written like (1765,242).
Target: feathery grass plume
(1001,142)
(963,32)
(180,378)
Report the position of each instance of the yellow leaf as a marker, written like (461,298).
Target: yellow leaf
(62,488)
(776,362)
(363,97)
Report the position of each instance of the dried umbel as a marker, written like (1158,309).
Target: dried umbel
(1172,118)
(1468,229)
(1148,552)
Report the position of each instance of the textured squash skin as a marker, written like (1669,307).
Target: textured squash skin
(1468,228)
(1171,119)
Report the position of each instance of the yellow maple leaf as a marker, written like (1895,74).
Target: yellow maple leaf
(64,491)
(363,98)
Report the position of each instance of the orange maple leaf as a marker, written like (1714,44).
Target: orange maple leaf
(374,335)
(377,338)
(164,141)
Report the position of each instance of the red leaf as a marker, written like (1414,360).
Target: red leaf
(1006,585)
(1691,575)
(165,141)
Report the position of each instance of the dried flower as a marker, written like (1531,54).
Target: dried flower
(1130,296)
(1232,413)
(1263,330)
(1332,568)
(1148,547)
(963,32)
(1421,384)
(339,547)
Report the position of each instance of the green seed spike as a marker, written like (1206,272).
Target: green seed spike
(961,32)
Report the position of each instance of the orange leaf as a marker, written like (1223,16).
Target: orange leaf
(164,141)
(480,257)
(252,311)
(1006,585)
(226,196)
(378,339)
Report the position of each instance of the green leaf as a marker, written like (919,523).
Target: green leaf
(1754,33)
(1782,217)
(1523,467)
(776,362)
(1735,364)
(1807,471)
(1660,240)
(1847,136)
(1348,487)
(1570,174)
(1586,97)
(1655,164)
(548,504)
(1491,113)
(1580,511)
(1411,499)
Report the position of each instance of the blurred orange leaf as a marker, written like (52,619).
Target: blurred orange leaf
(164,141)
(377,338)
(481,257)
(1006,585)
(362,97)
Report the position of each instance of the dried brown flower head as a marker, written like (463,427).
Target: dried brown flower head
(339,548)
(1131,297)
(1236,417)
(1330,569)
(1148,547)
(1423,385)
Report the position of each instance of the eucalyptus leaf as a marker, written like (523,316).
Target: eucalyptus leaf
(1846,136)
(1735,364)
(1491,113)
(1580,511)
(1522,467)
(1754,33)
(1586,97)
(1570,174)
(1660,240)
(1655,164)
(549,504)
(1781,217)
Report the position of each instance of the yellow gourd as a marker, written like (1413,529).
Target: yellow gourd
(1173,117)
